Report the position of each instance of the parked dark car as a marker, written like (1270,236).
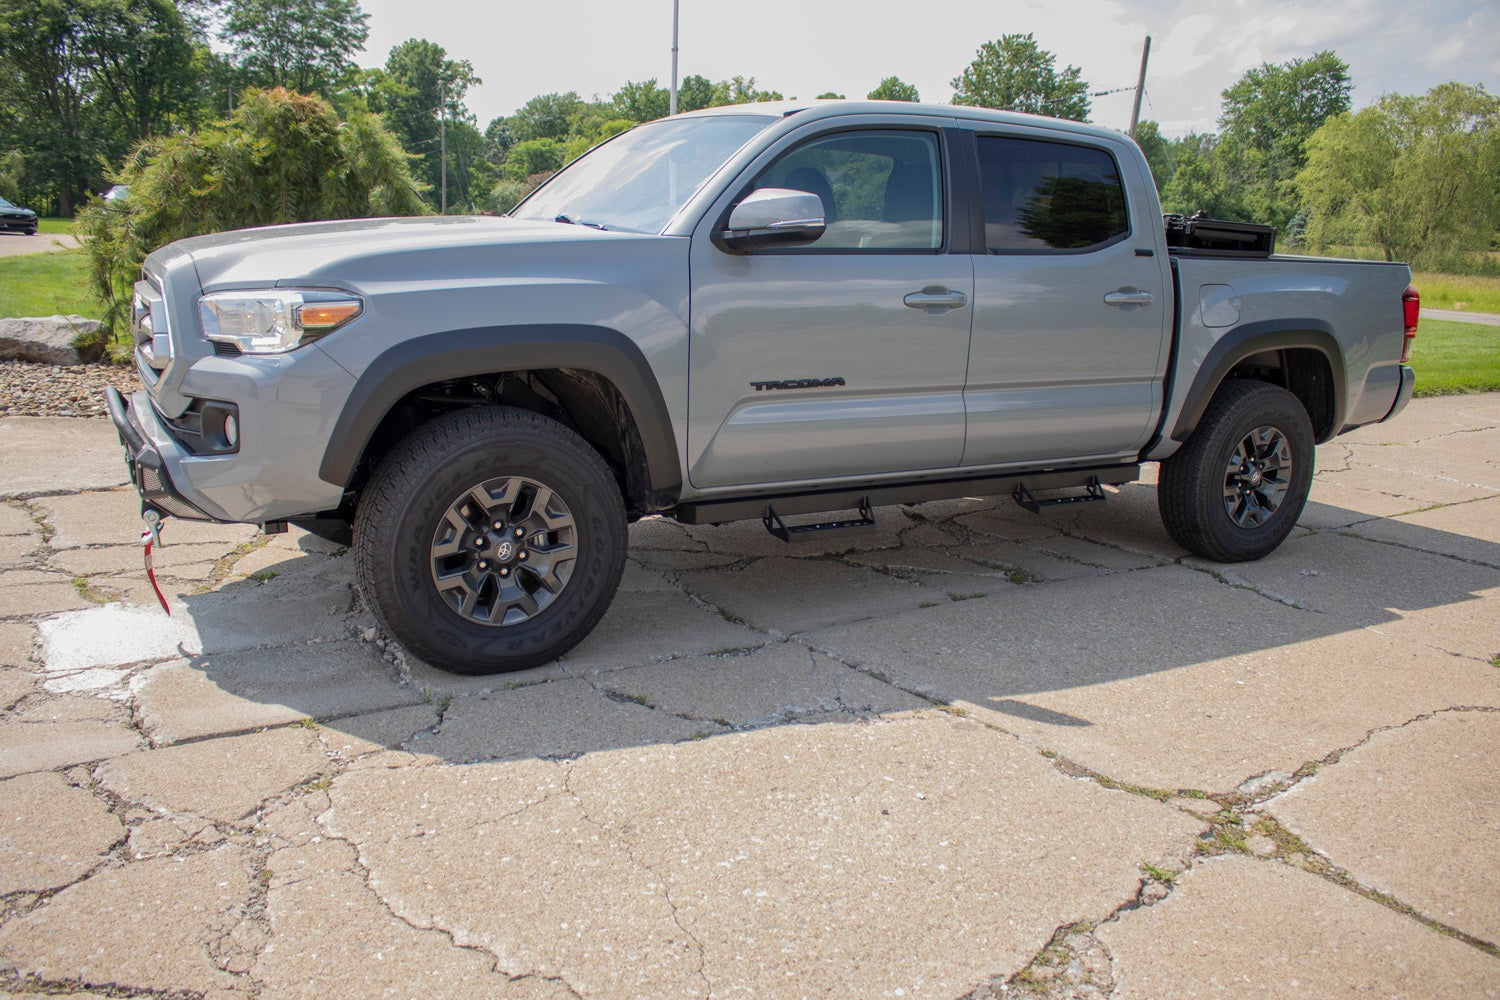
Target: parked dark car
(16,217)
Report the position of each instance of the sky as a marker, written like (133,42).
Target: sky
(807,47)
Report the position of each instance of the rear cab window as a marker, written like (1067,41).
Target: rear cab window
(1049,197)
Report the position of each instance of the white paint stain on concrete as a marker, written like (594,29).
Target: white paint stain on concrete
(113,636)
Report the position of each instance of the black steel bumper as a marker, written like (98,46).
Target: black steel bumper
(147,470)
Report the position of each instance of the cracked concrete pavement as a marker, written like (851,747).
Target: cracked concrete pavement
(972,753)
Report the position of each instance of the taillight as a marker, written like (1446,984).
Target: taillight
(1411,306)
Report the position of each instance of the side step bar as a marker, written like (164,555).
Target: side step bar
(1023,497)
(755,506)
(823,529)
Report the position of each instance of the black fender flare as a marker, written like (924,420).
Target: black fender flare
(435,357)
(1255,338)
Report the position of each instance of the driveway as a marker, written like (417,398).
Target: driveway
(16,244)
(975,753)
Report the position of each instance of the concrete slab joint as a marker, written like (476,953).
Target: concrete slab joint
(975,753)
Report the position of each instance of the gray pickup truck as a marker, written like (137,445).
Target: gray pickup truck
(751,312)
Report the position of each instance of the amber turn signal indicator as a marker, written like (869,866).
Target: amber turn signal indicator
(325,315)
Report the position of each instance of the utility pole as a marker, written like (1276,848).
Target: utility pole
(1140,88)
(673,105)
(443,142)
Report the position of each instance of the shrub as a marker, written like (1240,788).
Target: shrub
(283,157)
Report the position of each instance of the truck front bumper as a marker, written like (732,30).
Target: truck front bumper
(285,407)
(148,469)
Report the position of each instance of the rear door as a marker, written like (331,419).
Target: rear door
(846,357)
(1072,303)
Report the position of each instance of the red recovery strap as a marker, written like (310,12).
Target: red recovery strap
(147,538)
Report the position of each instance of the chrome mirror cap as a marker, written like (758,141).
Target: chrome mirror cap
(773,217)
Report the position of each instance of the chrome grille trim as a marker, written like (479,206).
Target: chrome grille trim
(151,331)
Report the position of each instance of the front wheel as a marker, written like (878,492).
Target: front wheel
(1235,490)
(491,539)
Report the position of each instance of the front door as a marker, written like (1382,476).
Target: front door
(844,357)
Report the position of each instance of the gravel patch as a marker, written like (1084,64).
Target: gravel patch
(28,389)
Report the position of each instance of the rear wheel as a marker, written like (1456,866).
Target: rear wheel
(491,539)
(1235,490)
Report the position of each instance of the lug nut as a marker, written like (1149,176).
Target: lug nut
(521,555)
(483,564)
(498,525)
(504,571)
(519,532)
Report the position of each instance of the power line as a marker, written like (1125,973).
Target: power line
(1117,90)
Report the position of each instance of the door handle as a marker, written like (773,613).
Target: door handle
(1128,298)
(936,300)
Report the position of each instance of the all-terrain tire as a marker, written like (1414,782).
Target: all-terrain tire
(1234,491)
(529,474)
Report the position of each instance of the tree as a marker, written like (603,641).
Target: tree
(143,55)
(1267,117)
(642,102)
(742,90)
(545,117)
(1416,176)
(282,157)
(1198,184)
(698,92)
(84,79)
(419,86)
(893,89)
(531,157)
(1016,74)
(303,45)
(830,96)
(1157,150)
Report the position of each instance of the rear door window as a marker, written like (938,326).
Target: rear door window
(1049,197)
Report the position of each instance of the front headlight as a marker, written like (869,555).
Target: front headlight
(274,320)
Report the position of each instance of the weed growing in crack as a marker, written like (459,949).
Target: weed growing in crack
(88,591)
(958,595)
(1166,876)
(1017,575)
(263,576)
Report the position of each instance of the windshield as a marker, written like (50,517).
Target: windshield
(6,204)
(639,180)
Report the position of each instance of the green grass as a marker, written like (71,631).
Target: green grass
(1456,357)
(55,227)
(1470,293)
(41,284)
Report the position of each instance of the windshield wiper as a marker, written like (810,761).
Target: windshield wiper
(578,222)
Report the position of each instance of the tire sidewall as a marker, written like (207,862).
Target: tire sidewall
(437,478)
(1281,411)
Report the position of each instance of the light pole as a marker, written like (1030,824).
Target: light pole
(443,143)
(673,103)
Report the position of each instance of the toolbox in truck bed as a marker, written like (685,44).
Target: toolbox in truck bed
(1241,239)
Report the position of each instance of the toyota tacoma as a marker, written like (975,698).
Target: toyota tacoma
(767,311)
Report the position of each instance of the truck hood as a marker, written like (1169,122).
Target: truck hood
(360,251)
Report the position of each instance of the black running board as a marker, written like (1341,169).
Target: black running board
(757,507)
(1093,492)
(823,529)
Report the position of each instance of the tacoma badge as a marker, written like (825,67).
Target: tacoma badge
(798,383)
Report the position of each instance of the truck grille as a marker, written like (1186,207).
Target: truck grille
(150,331)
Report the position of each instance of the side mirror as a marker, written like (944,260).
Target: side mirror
(773,217)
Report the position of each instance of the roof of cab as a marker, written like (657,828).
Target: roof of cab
(819,109)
